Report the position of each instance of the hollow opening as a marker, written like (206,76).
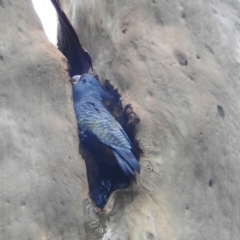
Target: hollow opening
(103,177)
(106,176)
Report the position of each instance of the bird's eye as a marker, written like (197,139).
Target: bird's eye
(83,80)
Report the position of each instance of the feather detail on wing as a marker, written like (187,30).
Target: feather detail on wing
(96,120)
(126,160)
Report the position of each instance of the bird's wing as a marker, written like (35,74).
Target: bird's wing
(99,122)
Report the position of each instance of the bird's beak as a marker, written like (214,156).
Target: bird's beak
(75,79)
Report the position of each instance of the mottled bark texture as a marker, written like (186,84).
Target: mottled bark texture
(177,63)
(42,177)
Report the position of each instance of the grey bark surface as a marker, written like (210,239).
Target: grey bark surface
(42,176)
(178,64)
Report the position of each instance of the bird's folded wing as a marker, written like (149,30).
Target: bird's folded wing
(100,122)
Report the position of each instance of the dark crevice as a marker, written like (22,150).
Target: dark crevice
(209,49)
(103,172)
(181,58)
(211,183)
(183,15)
(220,111)
(104,176)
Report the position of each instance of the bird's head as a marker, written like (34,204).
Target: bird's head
(87,86)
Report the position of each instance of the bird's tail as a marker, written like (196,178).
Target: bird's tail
(126,161)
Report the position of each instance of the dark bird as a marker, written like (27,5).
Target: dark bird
(97,124)
(104,145)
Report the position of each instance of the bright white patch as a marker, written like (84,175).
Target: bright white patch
(48,16)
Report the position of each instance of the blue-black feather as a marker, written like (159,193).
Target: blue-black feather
(94,120)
